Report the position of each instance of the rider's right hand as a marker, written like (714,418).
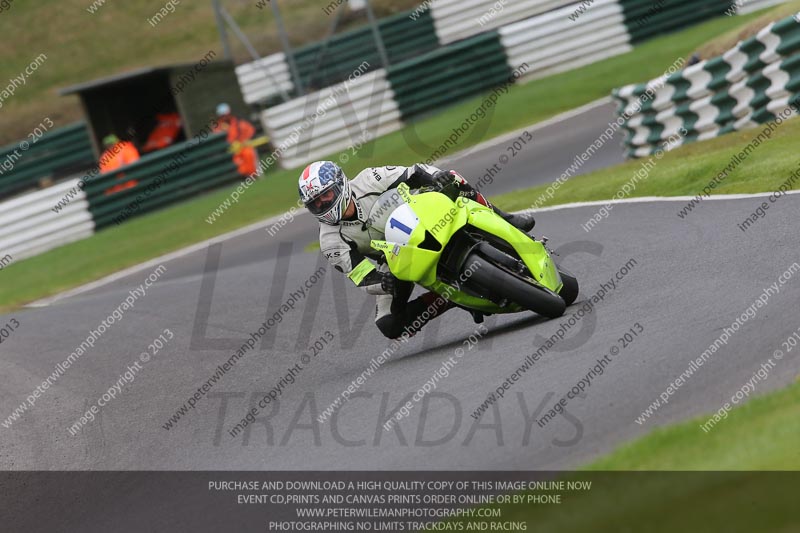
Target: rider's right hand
(442,178)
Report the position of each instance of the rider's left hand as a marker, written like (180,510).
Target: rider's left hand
(388,283)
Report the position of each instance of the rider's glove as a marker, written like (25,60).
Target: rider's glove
(442,178)
(388,283)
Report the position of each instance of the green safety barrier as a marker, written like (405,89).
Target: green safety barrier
(323,64)
(646,19)
(746,86)
(24,163)
(448,74)
(170,175)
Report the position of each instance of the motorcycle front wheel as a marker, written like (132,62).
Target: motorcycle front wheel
(569,292)
(501,283)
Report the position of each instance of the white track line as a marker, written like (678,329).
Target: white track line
(653,199)
(265,223)
(177,254)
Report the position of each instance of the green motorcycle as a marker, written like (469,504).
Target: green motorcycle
(465,252)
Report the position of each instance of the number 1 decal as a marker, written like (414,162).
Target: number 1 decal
(396,224)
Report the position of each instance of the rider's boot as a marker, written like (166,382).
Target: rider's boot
(422,310)
(522,221)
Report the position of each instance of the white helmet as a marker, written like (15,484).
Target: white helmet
(325,191)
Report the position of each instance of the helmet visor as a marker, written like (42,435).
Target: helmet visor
(325,200)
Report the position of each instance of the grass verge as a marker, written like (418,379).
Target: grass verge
(735,478)
(160,232)
(683,172)
(763,434)
(81,46)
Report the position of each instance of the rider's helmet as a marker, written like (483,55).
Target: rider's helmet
(325,191)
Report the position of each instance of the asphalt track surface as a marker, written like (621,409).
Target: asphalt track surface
(691,279)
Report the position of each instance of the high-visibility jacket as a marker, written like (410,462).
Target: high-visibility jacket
(240,130)
(164,134)
(118,155)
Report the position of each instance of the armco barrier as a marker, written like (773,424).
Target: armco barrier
(159,179)
(265,79)
(57,149)
(553,42)
(325,63)
(412,33)
(333,119)
(748,85)
(646,19)
(456,71)
(459,19)
(374,104)
(29,226)
(552,35)
(748,6)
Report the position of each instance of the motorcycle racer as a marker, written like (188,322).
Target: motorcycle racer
(345,210)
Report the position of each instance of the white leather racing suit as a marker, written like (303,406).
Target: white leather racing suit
(347,245)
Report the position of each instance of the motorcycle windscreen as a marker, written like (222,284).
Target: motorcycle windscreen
(382,209)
